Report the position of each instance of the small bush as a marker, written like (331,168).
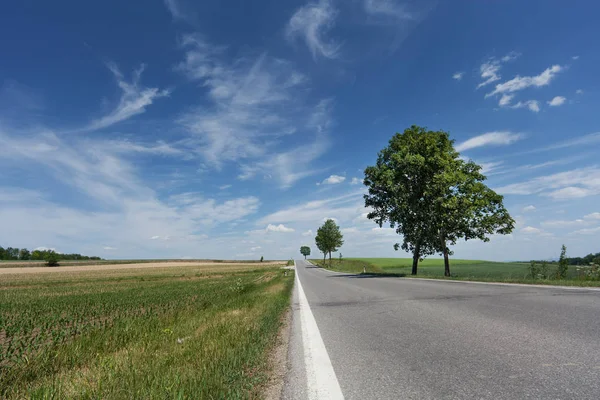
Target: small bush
(533,270)
(543,271)
(563,264)
(51,259)
(262,258)
(290,262)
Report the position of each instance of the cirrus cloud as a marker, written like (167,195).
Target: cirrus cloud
(501,138)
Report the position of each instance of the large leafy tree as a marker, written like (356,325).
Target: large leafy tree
(329,238)
(305,251)
(465,208)
(400,185)
(432,197)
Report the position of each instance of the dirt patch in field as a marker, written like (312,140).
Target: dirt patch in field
(103,267)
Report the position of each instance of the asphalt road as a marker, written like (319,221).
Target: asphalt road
(394,338)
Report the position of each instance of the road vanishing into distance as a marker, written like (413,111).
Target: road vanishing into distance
(357,337)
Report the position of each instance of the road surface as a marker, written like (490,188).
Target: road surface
(394,338)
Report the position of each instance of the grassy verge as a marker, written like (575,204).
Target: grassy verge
(188,332)
(464,270)
(349,265)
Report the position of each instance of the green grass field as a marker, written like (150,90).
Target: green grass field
(476,270)
(197,332)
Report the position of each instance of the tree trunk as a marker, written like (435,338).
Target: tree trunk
(305,256)
(324,255)
(330,258)
(445,252)
(416,256)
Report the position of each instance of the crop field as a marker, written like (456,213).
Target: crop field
(72,263)
(194,331)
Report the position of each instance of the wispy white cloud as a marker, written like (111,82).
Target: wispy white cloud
(562,223)
(279,228)
(557,101)
(488,168)
(513,55)
(312,22)
(593,216)
(458,75)
(175,9)
(223,187)
(349,230)
(531,105)
(579,91)
(307,233)
(575,57)
(342,208)
(522,82)
(490,69)
(209,211)
(501,138)
(585,140)
(271,228)
(388,8)
(570,192)
(531,230)
(587,231)
(119,206)
(255,102)
(576,183)
(355,181)
(505,100)
(134,98)
(529,208)
(333,180)
(286,166)
(127,146)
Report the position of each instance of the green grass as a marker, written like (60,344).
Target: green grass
(472,270)
(349,265)
(189,332)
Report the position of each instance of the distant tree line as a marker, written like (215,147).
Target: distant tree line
(14,253)
(587,260)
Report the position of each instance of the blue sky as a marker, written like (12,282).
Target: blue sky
(232,129)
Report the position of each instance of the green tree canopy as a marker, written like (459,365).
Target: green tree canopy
(329,238)
(431,196)
(24,254)
(305,251)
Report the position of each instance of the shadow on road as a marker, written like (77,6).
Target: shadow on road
(367,275)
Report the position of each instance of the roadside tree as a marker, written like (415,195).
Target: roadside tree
(305,251)
(329,238)
(431,196)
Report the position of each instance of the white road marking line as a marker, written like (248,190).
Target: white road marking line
(320,376)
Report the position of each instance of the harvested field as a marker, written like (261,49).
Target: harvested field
(39,267)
